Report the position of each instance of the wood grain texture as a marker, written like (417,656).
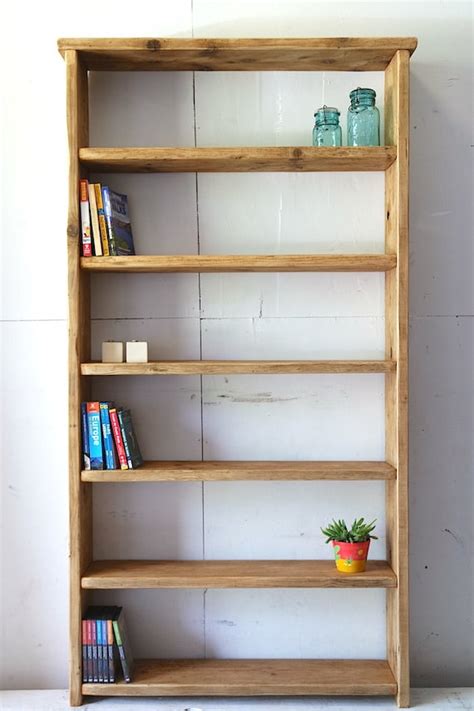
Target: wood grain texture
(80,495)
(237,160)
(254,677)
(128,574)
(246,471)
(242,263)
(301,54)
(396,384)
(238,367)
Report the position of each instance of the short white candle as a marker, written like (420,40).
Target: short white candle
(112,352)
(137,352)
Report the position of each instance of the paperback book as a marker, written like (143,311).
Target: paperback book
(109,449)
(85,220)
(117,219)
(132,450)
(95,435)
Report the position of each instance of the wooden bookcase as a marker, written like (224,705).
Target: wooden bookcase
(246,677)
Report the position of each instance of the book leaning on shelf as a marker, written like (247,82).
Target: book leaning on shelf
(108,437)
(105,645)
(105,222)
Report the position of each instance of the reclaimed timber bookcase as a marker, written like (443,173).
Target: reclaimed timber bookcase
(246,677)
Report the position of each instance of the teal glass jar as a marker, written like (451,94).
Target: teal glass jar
(326,131)
(363,119)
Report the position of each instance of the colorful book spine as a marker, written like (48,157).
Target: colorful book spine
(95,664)
(90,662)
(85,220)
(101,217)
(95,222)
(121,226)
(120,415)
(110,645)
(85,436)
(95,436)
(84,652)
(115,424)
(132,450)
(109,447)
(100,648)
(105,651)
(108,220)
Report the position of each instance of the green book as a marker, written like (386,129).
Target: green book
(123,644)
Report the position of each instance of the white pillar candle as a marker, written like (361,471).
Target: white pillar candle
(137,352)
(112,352)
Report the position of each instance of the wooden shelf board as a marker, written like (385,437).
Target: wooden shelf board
(238,367)
(231,160)
(302,54)
(254,677)
(246,471)
(243,263)
(112,574)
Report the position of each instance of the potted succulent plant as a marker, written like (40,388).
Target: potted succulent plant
(351,546)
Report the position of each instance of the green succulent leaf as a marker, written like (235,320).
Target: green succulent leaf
(359,532)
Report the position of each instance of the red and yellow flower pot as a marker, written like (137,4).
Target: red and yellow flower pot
(351,557)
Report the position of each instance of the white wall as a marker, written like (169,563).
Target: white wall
(242,316)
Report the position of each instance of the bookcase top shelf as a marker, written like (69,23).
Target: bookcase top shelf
(143,574)
(242,54)
(239,367)
(237,160)
(242,263)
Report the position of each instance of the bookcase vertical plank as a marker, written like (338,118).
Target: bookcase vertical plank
(396,388)
(80,494)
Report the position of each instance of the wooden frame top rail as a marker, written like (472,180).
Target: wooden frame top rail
(242,54)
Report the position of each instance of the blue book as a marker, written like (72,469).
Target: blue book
(108,220)
(95,436)
(105,649)
(109,446)
(119,228)
(100,650)
(85,436)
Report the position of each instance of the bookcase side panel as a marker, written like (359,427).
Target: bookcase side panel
(80,495)
(396,392)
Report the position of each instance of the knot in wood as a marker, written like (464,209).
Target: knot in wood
(297,152)
(153,45)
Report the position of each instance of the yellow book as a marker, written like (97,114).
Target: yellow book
(95,222)
(101,216)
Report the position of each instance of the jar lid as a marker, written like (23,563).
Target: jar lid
(360,91)
(327,110)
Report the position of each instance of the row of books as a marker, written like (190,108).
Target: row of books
(108,437)
(105,223)
(105,645)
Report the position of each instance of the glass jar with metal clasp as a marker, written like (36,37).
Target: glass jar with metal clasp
(326,131)
(363,119)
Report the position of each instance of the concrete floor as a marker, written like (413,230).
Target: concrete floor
(57,700)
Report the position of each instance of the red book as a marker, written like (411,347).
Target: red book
(90,661)
(85,220)
(117,433)
(85,637)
